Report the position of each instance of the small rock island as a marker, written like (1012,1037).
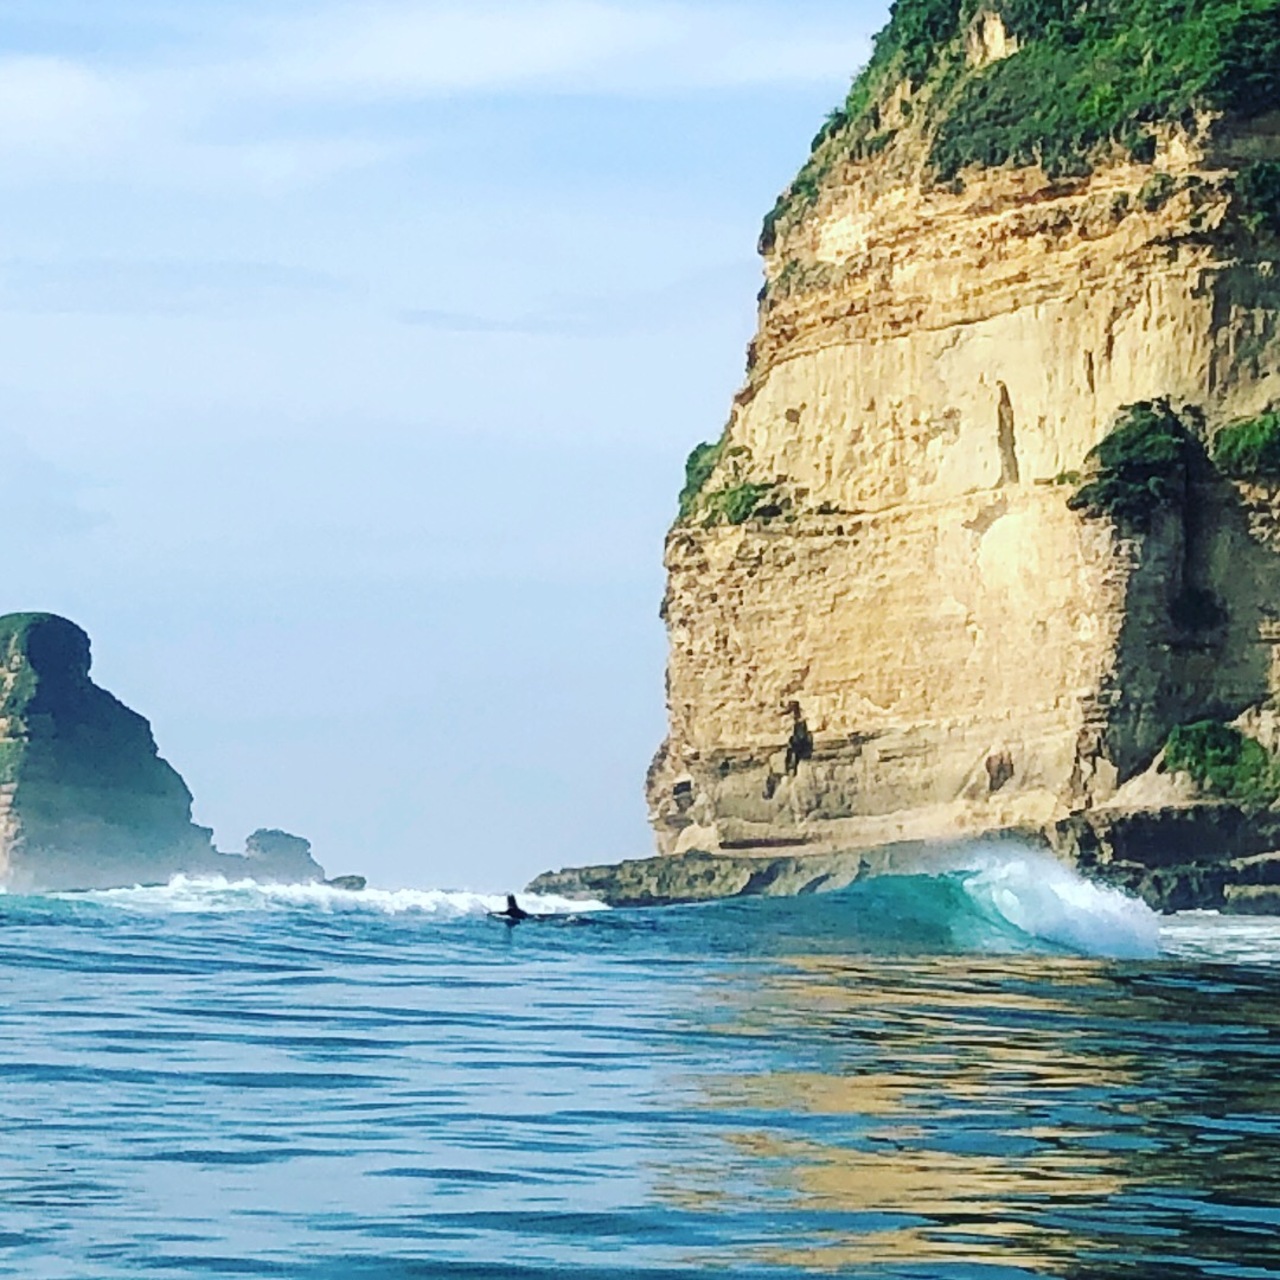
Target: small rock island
(86,801)
(991,541)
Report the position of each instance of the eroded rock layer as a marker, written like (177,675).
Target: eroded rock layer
(910,634)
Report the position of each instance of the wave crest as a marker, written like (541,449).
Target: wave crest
(1044,900)
(215,896)
(996,900)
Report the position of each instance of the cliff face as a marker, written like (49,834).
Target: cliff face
(85,799)
(887,618)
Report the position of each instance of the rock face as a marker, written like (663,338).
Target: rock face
(85,799)
(1215,857)
(701,877)
(886,620)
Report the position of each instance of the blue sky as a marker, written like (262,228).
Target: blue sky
(352,352)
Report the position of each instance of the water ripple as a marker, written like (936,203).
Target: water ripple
(296,1089)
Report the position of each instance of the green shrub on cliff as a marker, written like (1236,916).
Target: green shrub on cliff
(1249,448)
(735,505)
(800,195)
(1223,761)
(697,471)
(917,30)
(736,501)
(11,753)
(1138,468)
(1258,189)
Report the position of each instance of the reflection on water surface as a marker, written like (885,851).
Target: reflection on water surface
(211,1082)
(1052,1117)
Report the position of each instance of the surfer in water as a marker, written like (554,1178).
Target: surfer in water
(514,912)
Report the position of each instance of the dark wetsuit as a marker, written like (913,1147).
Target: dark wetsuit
(514,912)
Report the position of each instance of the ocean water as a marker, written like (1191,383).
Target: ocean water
(999,1073)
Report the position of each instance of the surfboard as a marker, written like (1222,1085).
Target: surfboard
(542,917)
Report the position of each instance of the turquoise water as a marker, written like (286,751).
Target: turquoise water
(1000,1074)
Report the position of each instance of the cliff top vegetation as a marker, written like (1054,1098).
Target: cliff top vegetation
(1085,77)
(60,729)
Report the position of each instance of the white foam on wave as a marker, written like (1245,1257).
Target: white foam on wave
(215,895)
(1045,900)
(1206,935)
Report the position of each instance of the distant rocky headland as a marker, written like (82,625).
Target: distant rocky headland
(86,802)
(991,541)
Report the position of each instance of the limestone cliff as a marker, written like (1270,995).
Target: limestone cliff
(903,600)
(86,801)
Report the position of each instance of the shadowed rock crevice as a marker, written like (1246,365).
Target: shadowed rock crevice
(1006,441)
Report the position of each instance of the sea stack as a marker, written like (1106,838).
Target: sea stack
(997,511)
(86,801)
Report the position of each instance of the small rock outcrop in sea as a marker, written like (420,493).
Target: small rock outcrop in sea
(352,884)
(86,801)
(277,855)
(996,514)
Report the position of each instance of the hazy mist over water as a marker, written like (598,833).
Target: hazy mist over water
(894,1081)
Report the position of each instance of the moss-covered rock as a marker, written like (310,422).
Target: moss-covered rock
(1138,468)
(1223,762)
(1249,449)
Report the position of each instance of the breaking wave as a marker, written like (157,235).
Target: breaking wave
(1040,898)
(219,896)
(986,901)
(996,901)
(1208,936)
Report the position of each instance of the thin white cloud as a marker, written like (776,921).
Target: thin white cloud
(131,287)
(59,104)
(269,165)
(602,47)
(266,110)
(42,501)
(408,50)
(688,300)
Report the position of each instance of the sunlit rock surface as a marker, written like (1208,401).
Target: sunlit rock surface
(888,619)
(910,634)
